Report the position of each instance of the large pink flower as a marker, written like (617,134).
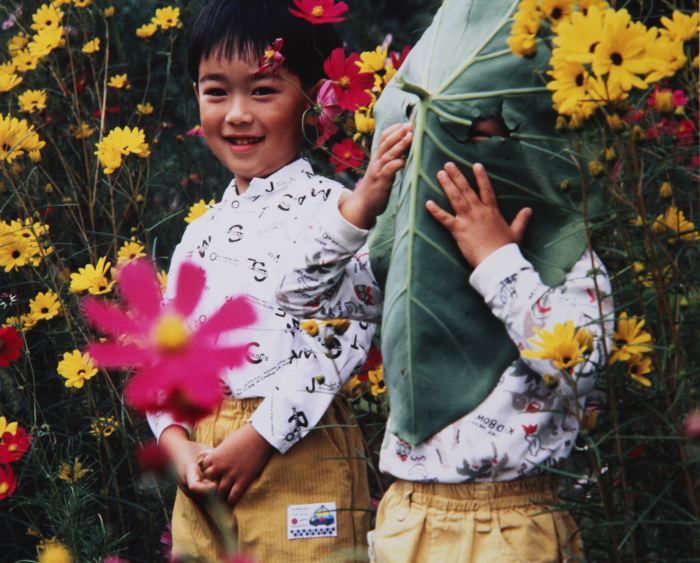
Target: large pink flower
(177,368)
(351,86)
(319,11)
(327,104)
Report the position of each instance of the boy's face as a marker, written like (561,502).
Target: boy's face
(251,121)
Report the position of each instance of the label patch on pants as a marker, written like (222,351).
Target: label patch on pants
(316,520)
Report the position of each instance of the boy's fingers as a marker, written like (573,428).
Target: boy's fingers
(488,197)
(455,196)
(393,135)
(400,147)
(519,224)
(236,492)
(393,130)
(225,485)
(442,216)
(462,185)
(392,167)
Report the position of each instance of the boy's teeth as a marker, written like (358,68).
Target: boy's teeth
(245,140)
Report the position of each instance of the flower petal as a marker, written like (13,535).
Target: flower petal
(233,314)
(190,285)
(112,355)
(139,285)
(109,318)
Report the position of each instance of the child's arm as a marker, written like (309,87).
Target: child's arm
(237,461)
(185,456)
(511,287)
(330,276)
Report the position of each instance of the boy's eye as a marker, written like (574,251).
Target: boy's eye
(214,92)
(263,91)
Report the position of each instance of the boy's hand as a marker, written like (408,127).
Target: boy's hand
(185,455)
(237,461)
(369,198)
(477,225)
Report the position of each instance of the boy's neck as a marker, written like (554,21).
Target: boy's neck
(242,184)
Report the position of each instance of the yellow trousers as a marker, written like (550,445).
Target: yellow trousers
(504,522)
(326,466)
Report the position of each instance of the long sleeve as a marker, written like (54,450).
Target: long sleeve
(329,274)
(515,294)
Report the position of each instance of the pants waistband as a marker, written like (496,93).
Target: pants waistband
(473,496)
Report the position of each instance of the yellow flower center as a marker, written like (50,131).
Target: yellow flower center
(12,448)
(317,11)
(171,334)
(344,82)
(3,488)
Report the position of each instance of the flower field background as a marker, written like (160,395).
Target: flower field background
(101,163)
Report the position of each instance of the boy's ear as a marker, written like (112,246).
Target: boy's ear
(195,87)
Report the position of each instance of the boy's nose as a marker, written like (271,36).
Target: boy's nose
(238,112)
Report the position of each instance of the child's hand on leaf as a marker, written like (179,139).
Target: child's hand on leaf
(236,462)
(369,198)
(477,224)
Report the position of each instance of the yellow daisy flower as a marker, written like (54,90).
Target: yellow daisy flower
(82,3)
(144,109)
(622,51)
(119,81)
(17,43)
(569,87)
(31,101)
(667,58)
(673,220)
(585,5)
(82,131)
(146,30)
(76,368)
(681,27)
(121,142)
(130,250)
(364,122)
(629,339)
(54,552)
(637,367)
(45,306)
(9,82)
(595,167)
(166,18)
(109,11)
(72,473)
(25,60)
(15,253)
(92,278)
(376,379)
(92,46)
(665,190)
(47,16)
(45,41)
(372,61)
(5,426)
(560,346)
(198,209)
(104,426)
(577,38)
(556,11)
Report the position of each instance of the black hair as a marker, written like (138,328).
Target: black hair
(229,27)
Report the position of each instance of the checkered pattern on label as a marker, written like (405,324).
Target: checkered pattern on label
(314,532)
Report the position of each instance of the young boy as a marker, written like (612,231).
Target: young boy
(297,488)
(472,491)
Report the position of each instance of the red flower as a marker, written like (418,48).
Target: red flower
(272,58)
(319,11)
(683,131)
(11,345)
(13,446)
(8,481)
(347,154)
(152,458)
(397,58)
(351,86)
(177,367)
(327,104)
(97,114)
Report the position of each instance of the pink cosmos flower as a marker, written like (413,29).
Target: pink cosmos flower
(319,11)
(346,154)
(196,131)
(272,58)
(327,104)
(666,100)
(177,367)
(351,86)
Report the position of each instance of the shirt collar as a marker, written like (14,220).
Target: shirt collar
(281,179)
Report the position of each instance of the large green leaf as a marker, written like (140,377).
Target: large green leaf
(443,349)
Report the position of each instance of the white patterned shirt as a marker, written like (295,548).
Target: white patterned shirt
(523,425)
(240,243)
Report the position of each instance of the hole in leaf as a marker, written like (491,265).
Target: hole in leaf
(483,128)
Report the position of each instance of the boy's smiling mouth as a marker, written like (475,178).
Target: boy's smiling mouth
(243,143)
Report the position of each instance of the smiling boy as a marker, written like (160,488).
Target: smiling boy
(284,455)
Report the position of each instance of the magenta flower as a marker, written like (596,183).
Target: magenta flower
(327,105)
(177,368)
(351,86)
(319,11)
(272,58)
